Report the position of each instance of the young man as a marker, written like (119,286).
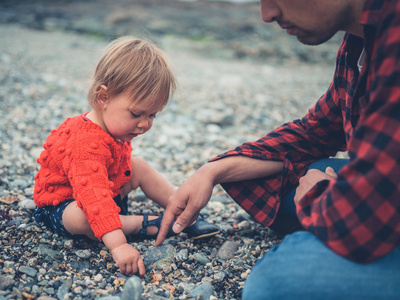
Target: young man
(349,210)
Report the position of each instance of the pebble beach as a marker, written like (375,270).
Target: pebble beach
(221,102)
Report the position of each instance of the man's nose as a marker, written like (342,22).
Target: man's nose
(270,12)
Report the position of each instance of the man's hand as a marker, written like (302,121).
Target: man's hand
(309,180)
(186,203)
(128,260)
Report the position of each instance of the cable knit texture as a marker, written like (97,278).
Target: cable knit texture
(81,161)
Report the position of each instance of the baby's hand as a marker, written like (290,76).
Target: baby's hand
(128,259)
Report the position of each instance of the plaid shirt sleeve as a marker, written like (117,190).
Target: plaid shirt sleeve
(318,135)
(358,214)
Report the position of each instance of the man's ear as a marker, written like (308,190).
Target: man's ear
(102,97)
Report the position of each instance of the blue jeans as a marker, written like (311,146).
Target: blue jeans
(302,267)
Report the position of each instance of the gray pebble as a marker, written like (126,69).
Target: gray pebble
(228,250)
(244,225)
(62,291)
(160,257)
(69,244)
(18,184)
(182,255)
(28,271)
(220,276)
(201,258)
(6,282)
(205,290)
(50,291)
(28,204)
(132,289)
(84,254)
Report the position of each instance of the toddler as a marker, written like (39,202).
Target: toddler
(86,169)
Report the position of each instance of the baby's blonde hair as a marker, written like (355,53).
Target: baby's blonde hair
(134,66)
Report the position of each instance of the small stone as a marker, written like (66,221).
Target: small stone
(36,290)
(206,280)
(69,244)
(42,271)
(18,184)
(244,225)
(228,250)
(182,255)
(32,262)
(167,270)
(6,282)
(62,291)
(28,204)
(201,259)
(84,254)
(80,265)
(160,292)
(28,296)
(50,291)
(220,276)
(133,289)
(103,252)
(28,271)
(205,291)
(159,257)
(98,278)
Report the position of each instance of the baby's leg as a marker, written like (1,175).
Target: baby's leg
(153,184)
(75,222)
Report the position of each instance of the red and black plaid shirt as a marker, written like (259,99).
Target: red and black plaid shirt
(358,214)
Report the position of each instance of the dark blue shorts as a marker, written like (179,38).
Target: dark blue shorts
(51,216)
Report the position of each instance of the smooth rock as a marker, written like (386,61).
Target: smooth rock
(84,254)
(132,289)
(201,258)
(69,244)
(18,184)
(98,278)
(205,290)
(228,250)
(62,291)
(28,204)
(160,257)
(80,265)
(28,271)
(6,282)
(182,255)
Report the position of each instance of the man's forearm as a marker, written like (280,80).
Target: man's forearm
(238,168)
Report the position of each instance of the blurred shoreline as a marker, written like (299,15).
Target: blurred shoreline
(222,29)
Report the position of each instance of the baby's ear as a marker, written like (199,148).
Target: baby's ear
(102,97)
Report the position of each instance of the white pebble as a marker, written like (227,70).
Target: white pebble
(98,278)
(28,204)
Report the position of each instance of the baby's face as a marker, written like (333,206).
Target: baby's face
(124,120)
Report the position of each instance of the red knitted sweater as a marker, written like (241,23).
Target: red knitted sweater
(81,161)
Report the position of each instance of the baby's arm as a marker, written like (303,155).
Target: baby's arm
(127,258)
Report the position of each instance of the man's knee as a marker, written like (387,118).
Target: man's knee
(287,271)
